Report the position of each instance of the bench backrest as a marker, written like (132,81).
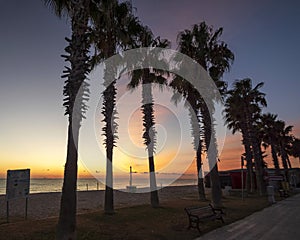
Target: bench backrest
(200,211)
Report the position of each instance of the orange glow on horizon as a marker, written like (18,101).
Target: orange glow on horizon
(47,159)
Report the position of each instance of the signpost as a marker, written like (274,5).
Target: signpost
(17,186)
(242,176)
(131,188)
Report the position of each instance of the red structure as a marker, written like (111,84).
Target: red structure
(236,179)
(231,178)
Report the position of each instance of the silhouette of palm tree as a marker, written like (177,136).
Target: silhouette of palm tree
(270,137)
(285,140)
(242,111)
(202,44)
(114,29)
(147,77)
(75,88)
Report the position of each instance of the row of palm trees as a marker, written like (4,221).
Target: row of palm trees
(243,113)
(109,27)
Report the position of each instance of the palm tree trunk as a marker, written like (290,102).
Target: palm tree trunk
(258,161)
(109,194)
(250,175)
(212,154)
(109,130)
(258,166)
(216,191)
(201,190)
(275,159)
(153,187)
(284,162)
(149,136)
(250,178)
(109,112)
(288,161)
(195,126)
(66,228)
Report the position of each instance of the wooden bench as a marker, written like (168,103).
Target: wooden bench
(199,215)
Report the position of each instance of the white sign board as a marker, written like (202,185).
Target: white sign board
(17,183)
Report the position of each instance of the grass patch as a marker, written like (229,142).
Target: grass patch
(138,222)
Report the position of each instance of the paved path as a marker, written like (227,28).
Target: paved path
(279,222)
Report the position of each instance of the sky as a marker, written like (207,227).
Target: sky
(264,36)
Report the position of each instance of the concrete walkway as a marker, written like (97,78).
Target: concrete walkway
(279,222)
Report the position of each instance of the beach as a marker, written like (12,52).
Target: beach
(134,218)
(46,205)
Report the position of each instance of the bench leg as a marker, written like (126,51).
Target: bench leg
(190,225)
(198,227)
(193,225)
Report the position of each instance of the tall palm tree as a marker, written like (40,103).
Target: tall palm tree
(236,122)
(113,30)
(202,44)
(270,136)
(75,88)
(243,109)
(147,77)
(183,88)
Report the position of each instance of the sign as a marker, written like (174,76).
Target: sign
(17,184)
(275,178)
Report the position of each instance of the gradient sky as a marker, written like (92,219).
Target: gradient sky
(264,36)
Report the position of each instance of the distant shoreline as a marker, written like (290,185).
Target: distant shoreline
(145,190)
(41,185)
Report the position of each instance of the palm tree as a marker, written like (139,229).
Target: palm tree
(113,30)
(146,77)
(270,137)
(75,88)
(236,122)
(202,44)
(243,108)
(187,90)
(284,143)
(259,139)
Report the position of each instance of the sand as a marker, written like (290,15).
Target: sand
(46,205)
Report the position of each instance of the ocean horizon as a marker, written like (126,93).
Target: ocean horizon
(44,185)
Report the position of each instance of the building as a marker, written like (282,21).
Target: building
(237,178)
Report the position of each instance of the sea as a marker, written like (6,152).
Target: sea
(40,185)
